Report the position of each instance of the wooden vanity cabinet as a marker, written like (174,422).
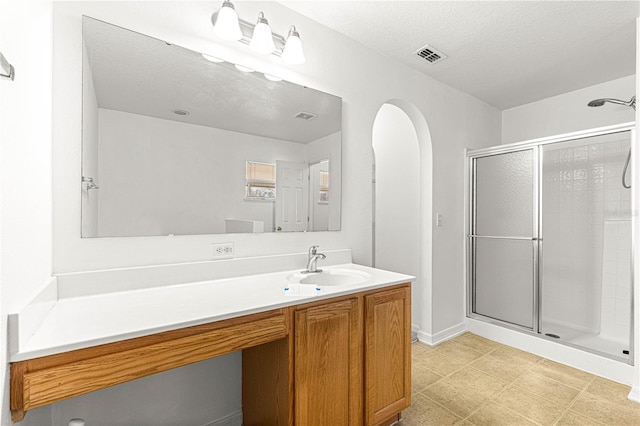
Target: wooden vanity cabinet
(328,364)
(338,361)
(387,351)
(346,361)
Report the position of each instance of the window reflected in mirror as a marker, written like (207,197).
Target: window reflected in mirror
(261,181)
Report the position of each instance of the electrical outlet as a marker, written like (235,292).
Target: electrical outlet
(222,250)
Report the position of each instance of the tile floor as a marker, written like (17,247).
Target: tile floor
(471,380)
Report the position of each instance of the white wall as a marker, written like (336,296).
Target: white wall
(161,177)
(569,112)
(397,198)
(335,64)
(25,165)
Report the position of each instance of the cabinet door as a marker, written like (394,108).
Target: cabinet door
(328,364)
(387,354)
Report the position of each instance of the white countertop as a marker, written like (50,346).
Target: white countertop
(85,321)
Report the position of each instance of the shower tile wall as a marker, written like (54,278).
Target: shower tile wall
(581,190)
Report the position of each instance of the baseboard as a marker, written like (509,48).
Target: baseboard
(442,336)
(634,395)
(233,419)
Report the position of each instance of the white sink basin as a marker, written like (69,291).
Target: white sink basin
(331,277)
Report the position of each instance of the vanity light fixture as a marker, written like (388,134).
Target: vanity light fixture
(227,25)
(292,52)
(262,38)
(259,37)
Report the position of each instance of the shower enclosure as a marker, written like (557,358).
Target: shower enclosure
(549,242)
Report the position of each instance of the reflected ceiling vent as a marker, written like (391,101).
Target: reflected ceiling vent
(430,54)
(305,115)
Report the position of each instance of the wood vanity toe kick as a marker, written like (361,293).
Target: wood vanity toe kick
(41,381)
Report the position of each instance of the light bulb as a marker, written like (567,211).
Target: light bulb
(262,39)
(226,25)
(292,52)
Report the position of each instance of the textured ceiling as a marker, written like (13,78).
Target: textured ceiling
(506,53)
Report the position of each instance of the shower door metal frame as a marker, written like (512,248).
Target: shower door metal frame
(469,240)
(472,235)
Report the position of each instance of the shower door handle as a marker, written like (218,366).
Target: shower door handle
(504,238)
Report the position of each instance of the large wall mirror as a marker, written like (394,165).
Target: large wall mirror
(174,143)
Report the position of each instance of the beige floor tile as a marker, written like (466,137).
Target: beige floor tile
(418,350)
(464,391)
(477,343)
(422,377)
(564,374)
(458,352)
(439,363)
(424,411)
(607,412)
(464,381)
(499,368)
(547,388)
(571,418)
(494,414)
(530,406)
(609,390)
(512,356)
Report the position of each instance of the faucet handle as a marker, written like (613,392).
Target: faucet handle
(313,250)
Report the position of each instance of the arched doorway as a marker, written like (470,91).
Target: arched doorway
(402,201)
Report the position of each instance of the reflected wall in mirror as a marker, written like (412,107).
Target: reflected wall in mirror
(168,135)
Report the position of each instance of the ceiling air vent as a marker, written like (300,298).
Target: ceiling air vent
(430,54)
(305,115)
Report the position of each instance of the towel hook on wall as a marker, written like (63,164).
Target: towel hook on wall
(89,183)
(6,69)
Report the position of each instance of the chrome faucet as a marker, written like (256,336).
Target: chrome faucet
(312,262)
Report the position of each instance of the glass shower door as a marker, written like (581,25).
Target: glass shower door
(503,238)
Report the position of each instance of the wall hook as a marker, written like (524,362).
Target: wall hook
(6,69)
(89,184)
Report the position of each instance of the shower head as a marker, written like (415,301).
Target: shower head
(599,102)
(596,103)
